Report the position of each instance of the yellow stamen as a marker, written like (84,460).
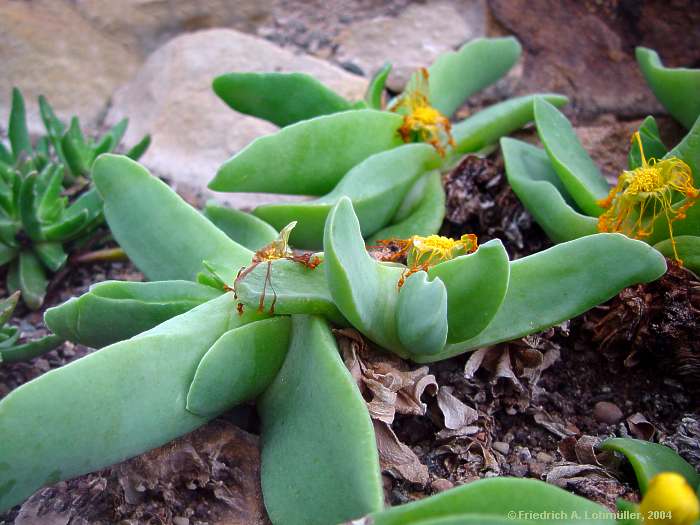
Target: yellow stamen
(645,193)
(422,253)
(421,121)
(669,500)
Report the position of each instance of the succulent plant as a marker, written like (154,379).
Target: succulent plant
(654,199)
(386,159)
(11,347)
(206,338)
(37,221)
(676,88)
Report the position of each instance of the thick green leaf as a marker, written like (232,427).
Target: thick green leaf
(239,367)
(7,307)
(113,311)
(51,254)
(376,188)
(538,187)
(281,98)
(17,126)
(476,519)
(137,151)
(310,157)
(31,279)
(319,455)
(424,218)
(455,76)
(575,168)
(562,282)
(29,350)
(27,210)
(244,228)
(75,154)
(476,287)
(688,150)
(51,204)
(294,289)
(7,254)
(164,236)
(107,406)
(688,248)
(375,90)
(70,226)
(364,290)
(117,133)
(499,497)
(649,459)
(651,142)
(488,125)
(676,88)
(421,314)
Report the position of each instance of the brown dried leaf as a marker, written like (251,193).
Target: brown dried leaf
(641,427)
(396,458)
(558,428)
(456,415)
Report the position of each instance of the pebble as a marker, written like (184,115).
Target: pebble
(500,446)
(607,412)
(441,485)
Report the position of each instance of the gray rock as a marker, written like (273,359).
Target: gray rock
(412,40)
(47,48)
(193,131)
(143,25)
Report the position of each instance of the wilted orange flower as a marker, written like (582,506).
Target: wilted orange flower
(421,121)
(422,253)
(642,195)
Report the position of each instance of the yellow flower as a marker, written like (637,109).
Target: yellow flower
(645,193)
(421,121)
(669,500)
(422,253)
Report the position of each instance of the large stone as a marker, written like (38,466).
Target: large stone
(193,131)
(143,25)
(47,48)
(412,40)
(586,49)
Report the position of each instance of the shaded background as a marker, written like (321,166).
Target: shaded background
(153,60)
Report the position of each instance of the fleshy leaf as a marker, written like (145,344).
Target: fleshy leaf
(575,168)
(375,90)
(562,282)
(29,350)
(30,279)
(649,459)
(376,187)
(424,218)
(239,367)
(476,287)
(310,157)
(676,88)
(421,314)
(280,98)
(244,228)
(318,445)
(164,236)
(496,497)
(294,289)
(486,126)
(688,248)
(17,126)
(113,311)
(60,425)
(455,76)
(538,187)
(651,142)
